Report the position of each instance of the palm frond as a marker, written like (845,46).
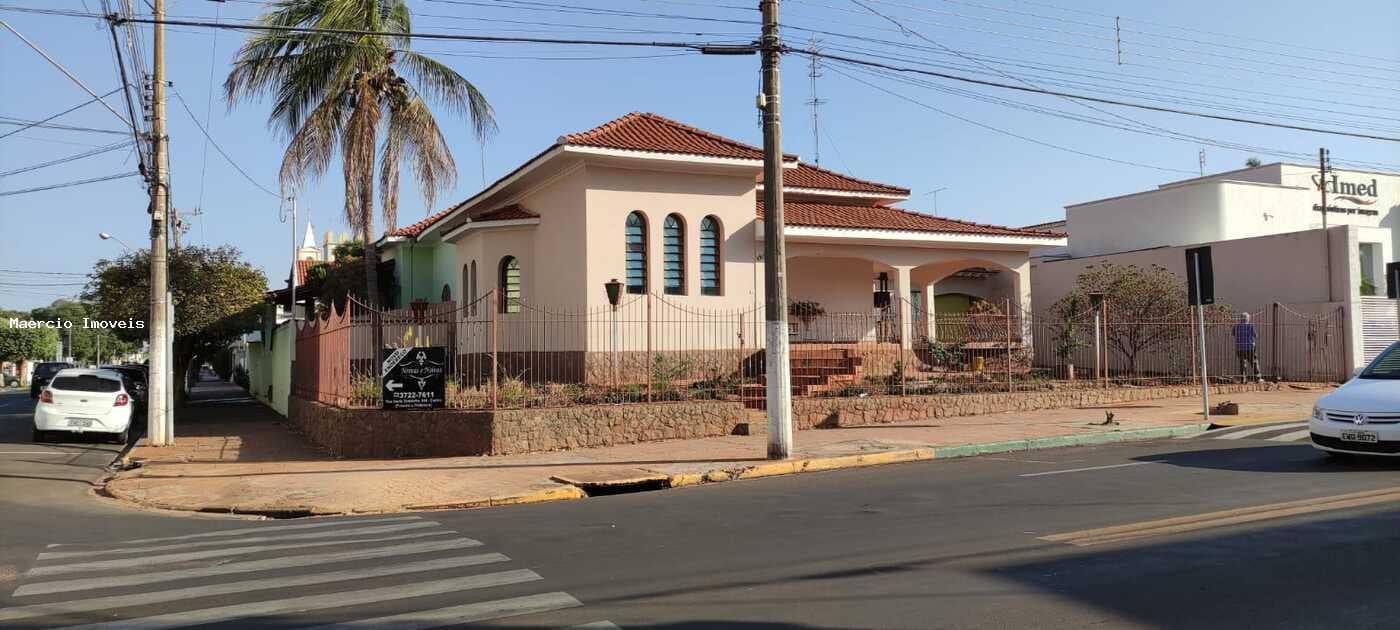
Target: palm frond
(414,132)
(442,84)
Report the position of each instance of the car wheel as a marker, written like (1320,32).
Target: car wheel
(121,438)
(39,436)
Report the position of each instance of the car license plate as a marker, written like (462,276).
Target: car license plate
(80,422)
(1368,437)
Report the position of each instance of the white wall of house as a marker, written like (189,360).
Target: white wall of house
(1272,199)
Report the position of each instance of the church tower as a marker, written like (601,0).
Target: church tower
(308,250)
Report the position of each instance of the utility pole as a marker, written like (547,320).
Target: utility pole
(774,261)
(292,306)
(160,198)
(1323,167)
(1201,158)
(814,72)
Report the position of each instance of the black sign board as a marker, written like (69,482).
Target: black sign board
(414,378)
(1200,280)
(1392,280)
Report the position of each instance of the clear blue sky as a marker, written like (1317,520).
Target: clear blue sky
(989,176)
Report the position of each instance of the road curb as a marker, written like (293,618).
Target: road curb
(1062,441)
(817,464)
(561,493)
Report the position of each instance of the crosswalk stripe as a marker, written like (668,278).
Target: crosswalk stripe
(1289,437)
(254,530)
(228,588)
(286,562)
(1236,435)
(169,558)
(220,614)
(466,613)
(362,531)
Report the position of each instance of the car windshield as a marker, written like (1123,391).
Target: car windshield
(85,383)
(1387,365)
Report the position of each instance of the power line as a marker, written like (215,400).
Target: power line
(66,111)
(1094,99)
(98,151)
(218,148)
(27,124)
(7,193)
(43,273)
(1009,133)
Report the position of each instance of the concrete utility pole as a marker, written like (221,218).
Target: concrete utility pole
(292,306)
(774,260)
(1322,168)
(160,198)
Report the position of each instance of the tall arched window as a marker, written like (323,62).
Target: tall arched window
(711,269)
(673,254)
(469,287)
(636,253)
(509,285)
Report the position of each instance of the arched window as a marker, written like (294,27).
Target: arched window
(469,287)
(636,253)
(446,292)
(509,285)
(711,263)
(673,254)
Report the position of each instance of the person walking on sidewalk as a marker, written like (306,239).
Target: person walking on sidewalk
(1246,348)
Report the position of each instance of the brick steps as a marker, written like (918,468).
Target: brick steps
(813,371)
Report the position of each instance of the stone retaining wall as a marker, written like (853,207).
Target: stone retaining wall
(830,413)
(376,433)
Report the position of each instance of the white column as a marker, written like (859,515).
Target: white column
(906,317)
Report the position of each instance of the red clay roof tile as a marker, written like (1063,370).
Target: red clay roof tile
(887,218)
(510,212)
(809,176)
(644,131)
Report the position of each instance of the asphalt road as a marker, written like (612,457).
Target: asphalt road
(941,544)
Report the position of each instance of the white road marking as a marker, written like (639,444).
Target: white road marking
(1074,470)
(423,620)
(127,563)
(286,562)
(228,588)
(362,531)
(1289,437)
(220,614)
(1257,430)
(255,530)
(597,625)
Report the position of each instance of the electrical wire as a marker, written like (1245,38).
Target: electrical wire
(64,160)
(66,111)
(92,180)
(218,148)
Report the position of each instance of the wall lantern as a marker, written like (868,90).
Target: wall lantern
(614,289)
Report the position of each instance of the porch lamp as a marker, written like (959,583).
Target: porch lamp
(614,289)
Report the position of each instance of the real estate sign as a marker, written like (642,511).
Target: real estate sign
(414,378)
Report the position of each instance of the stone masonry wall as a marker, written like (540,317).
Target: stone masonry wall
(830,413)
(377,433)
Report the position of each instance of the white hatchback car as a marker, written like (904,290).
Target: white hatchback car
(84,401)
(1363,416)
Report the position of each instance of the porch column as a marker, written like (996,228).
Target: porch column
(930,322)
(906,316)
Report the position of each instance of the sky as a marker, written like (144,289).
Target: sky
(1335,66)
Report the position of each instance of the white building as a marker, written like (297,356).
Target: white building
(1265,228)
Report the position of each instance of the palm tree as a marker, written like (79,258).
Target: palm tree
(360,90)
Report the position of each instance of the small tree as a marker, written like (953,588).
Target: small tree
(217,297)
(1068,312)
(1139,298)
(18,344)
(1252,162)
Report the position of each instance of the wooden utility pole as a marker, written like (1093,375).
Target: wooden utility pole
(160,363)
(774,258)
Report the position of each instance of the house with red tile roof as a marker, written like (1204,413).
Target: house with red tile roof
(674,211)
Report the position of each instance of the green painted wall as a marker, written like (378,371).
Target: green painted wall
(270,368)
(422,270)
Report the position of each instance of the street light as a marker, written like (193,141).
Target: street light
(614,290)
(108,237)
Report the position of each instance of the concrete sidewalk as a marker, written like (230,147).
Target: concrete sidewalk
(234,455)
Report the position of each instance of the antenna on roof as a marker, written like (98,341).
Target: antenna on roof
(814,72)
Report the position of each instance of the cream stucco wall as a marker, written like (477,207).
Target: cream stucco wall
(614,192)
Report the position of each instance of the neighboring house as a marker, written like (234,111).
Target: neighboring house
(676,211)
(1264,226)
